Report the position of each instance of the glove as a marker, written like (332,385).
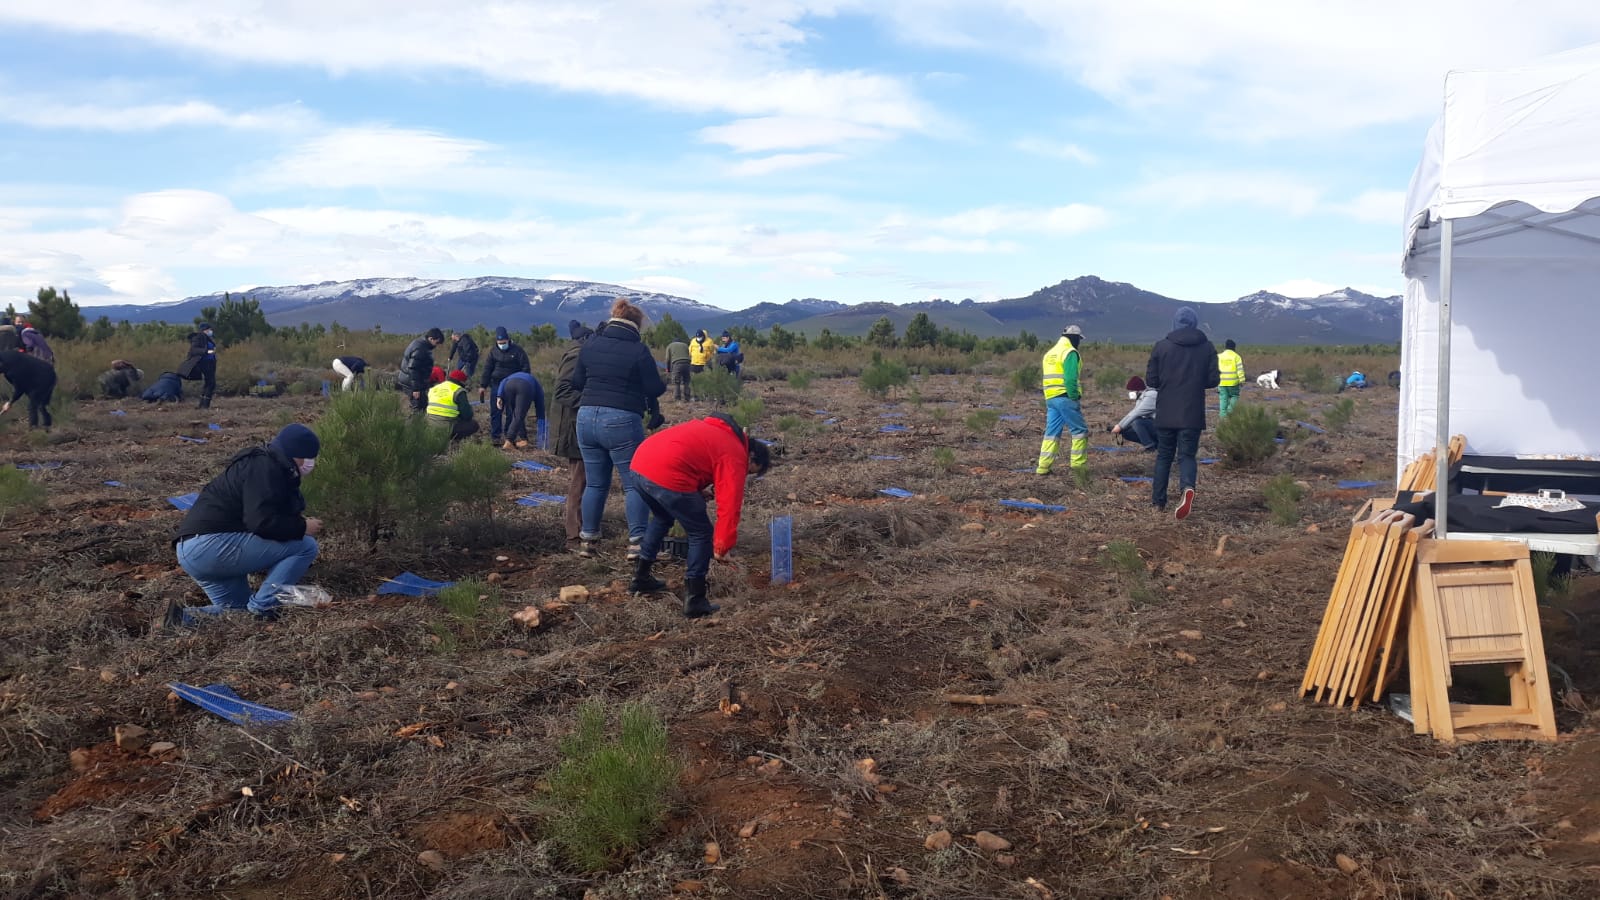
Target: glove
(656,420)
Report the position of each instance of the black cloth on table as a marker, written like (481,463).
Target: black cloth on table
(1525,476)
(1476,513)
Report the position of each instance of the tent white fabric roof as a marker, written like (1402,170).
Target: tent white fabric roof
(1510,172)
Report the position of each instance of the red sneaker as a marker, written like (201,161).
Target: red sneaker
(1182,512)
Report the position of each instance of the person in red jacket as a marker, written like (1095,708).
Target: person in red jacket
(671,470)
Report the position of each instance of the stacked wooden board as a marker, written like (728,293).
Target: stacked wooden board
(1454,603)
(1355,650)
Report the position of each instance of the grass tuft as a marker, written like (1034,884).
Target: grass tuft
(610,793)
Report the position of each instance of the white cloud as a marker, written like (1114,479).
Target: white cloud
(114,108)
(780,162)
(1074,218)
(707,56)
(768,133)
(1276,191)
(666,284)
(1244,69)
(1056,150)
(374,156)
(1375,207)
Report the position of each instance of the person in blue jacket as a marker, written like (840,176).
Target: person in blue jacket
(516,394)
(728,355)
(1356,382)
(168,388)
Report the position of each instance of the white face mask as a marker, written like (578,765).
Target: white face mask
(306,465)
(503,345)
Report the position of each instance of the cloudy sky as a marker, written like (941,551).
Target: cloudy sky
(733,151)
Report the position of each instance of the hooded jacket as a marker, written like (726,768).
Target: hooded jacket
(687,458)
(258,493)
(503,363)
(35,344)
(1143,408)
(701,350)
(1182,366)
(167,387)
(615,369)
(564,401)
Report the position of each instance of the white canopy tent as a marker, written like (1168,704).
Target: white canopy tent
(1502,265)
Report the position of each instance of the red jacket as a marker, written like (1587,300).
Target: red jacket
(694,455)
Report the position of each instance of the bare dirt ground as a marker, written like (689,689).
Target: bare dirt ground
(1150,743)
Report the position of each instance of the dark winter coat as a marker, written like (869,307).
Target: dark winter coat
(466,349)
(27,373)
(503,363)
(354,363)
(167,387)
(258,493)
(615,369)
(1182,366)
(201,350)
(564,407)
(9,339)
(416,364)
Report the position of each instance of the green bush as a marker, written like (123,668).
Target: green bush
(476,474)
(467,606)
(1027,378)
(1283,499)
(983,420)
(1312,378)
(610,793)
(379,470)
(717,385)
(1339,414)
(1248,434)
(1112,378)
(748,411)
(943,459)
(883,376)
(17,491)
(800,380)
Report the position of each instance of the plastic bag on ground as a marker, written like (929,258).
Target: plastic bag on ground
(308,595)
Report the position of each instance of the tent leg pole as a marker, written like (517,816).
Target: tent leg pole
(1441,483)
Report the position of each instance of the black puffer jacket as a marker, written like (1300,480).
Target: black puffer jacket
(465,350)
(1182,367)
(416,364)
(503,363)
(258,493)
(615,369)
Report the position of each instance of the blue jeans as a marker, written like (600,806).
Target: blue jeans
(1143,430)
(1185,442)
(221,565)
(688,510)
(607,438)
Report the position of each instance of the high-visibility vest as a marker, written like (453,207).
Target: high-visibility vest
(700,352)
(1054,366)
(1231,366)
(442,400)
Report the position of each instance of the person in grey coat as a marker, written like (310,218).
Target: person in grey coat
(1139,423)
(564,429)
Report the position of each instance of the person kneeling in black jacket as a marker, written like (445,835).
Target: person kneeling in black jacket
(250,519)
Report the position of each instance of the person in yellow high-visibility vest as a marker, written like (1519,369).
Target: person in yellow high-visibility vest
(1062,393)
(701,349)
(448,406)
(1230,366)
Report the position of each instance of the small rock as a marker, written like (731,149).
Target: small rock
(867,768)
(689,887)
(433,859)
(495,578)
(1263,675)
(285,686)
(108,676)
(387,689)
(368,696)
(528,617)
(1005,859)
(1346,864)
(79,759)
(574,593)
(1227,603)
(899,875)
(792,497)
(1173,568)
(713,853)
(162,748)
(771,767)
(131,737)
(1185,657)
(1280,706)
(502,559)
(991,842)
(973,527)
(749,829)
(936,820)
(1189,634)
(1313,528)
(337,857)
(516,653)
(939,840)
(752,760)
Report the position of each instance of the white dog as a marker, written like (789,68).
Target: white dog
(1268,380)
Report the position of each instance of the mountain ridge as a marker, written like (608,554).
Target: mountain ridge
(1107,310)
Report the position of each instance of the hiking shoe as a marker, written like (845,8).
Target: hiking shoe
(644,582)
(633,551)
(1182,512)
(506,446)
(585,549)
(522,445)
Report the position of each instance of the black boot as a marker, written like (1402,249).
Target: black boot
(643,582)
(696,604)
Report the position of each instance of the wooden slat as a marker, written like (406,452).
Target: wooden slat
(1399,617)
(1437,552)
(1349,687)
(1322,646)
(1349,611)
